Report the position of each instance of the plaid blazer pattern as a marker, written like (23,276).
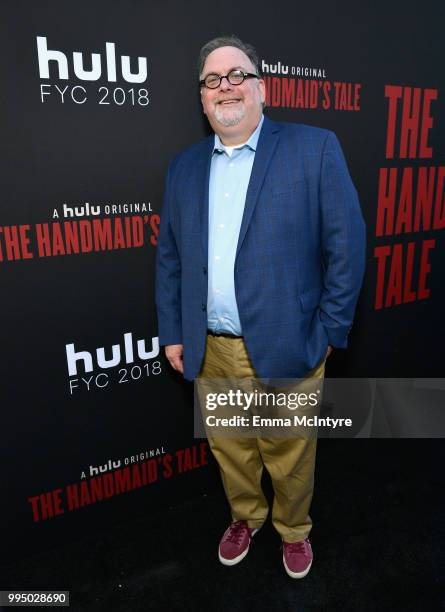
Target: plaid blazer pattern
(300,257)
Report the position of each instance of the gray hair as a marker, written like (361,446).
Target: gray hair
(228,41)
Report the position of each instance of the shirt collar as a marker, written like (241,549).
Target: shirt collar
(251,143)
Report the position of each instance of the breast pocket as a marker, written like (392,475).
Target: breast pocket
(290,188)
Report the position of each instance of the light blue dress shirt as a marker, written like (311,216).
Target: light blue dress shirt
(230,172)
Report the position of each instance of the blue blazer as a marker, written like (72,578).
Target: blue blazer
(300,256)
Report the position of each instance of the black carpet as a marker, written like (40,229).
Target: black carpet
(378,541)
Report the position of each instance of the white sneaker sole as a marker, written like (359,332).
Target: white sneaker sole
(240,557)
(297,574)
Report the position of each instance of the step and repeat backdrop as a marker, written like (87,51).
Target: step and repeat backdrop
(95,101)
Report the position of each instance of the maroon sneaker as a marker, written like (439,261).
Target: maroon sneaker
(235,543)
(297,558)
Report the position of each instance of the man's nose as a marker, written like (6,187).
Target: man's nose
(225,85)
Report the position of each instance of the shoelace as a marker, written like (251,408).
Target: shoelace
(297,547)
(236,531)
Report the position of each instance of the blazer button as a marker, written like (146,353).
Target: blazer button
(204,307)
(204,270)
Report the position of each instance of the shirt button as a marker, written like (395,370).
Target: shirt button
(226,194)
(221,226)
(217,257)
(231,164)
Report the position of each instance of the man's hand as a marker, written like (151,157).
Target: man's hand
(173,352)
(330,349)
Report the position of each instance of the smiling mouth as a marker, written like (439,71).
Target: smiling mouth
(228,102)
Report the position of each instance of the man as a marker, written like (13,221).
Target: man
(260,261)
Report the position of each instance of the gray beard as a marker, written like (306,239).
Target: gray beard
(233,119)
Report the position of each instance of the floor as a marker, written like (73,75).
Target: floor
(378,541)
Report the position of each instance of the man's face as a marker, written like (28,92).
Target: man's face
(228,105)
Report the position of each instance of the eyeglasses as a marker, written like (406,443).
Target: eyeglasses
(235,77)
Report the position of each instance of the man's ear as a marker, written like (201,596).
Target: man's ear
(202,103)
(262,89)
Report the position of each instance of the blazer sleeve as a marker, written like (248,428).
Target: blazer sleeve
(168,275)
(343,239)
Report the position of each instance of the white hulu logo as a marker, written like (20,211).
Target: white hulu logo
(46,55)
(73,356)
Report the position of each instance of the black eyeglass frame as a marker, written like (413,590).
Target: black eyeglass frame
(245,75)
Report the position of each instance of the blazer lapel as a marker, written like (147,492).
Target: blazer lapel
(202,182)
(267,143)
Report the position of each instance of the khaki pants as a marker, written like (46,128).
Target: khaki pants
(289,461)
